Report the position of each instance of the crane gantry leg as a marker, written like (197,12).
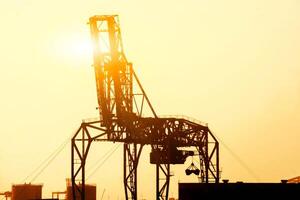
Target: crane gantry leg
(162,181)
(80,146)
(132,154)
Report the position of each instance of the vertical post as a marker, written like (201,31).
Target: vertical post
(157,182)
(206,159)
(167,181)
(217,163)
(125,170)
(75,170)
(135,169)
(72,168)
(83,166)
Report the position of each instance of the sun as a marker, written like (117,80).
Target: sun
(72,48)
(80,47)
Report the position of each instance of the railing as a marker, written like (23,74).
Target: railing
(93,119)
(186,118)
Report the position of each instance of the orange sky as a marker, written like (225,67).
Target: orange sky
(233,64)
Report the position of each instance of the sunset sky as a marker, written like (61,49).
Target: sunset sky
(233,64)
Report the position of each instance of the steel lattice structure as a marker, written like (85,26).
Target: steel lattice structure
(122,104)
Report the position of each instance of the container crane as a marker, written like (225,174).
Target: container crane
(122,104)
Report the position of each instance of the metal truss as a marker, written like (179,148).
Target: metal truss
(160,133)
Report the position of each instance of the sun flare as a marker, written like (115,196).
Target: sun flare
(72,48)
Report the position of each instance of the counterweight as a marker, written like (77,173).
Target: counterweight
(122,105)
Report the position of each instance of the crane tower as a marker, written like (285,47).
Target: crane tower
(123,105)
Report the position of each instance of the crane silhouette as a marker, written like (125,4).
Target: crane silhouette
(127,116)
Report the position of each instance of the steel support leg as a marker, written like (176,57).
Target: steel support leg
(162,181)
(80,146)
(132,154)
(209,160)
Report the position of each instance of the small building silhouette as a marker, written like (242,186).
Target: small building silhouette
(238,190)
